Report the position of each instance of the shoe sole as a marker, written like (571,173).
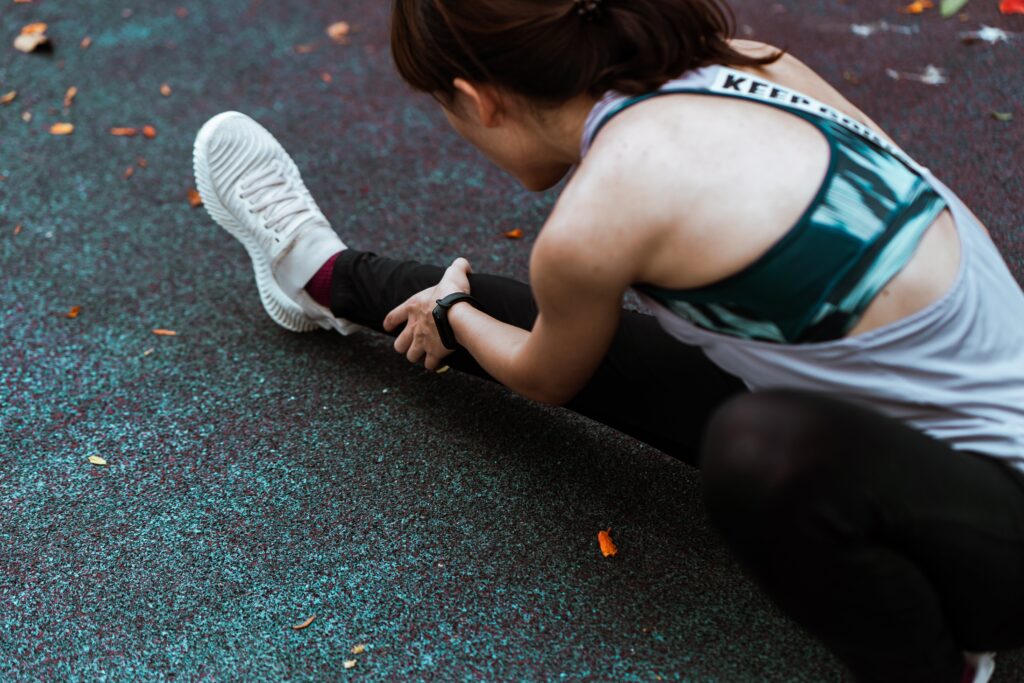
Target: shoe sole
(281,308)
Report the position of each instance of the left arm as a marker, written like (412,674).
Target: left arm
(578,282)
(579,294)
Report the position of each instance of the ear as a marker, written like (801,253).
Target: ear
(483,100)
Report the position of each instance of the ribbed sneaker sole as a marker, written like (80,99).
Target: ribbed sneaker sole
(283,310)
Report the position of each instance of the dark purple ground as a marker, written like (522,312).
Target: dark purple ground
(257,477)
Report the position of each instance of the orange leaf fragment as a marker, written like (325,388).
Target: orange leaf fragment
(69,96)
(62,129)
(516,234)
(326,77)
(129,172)
(141,161)
(307,622)
(86,42)
(73,313)
(9,97)
(604,539)
(124,132)
(917,7)
(22,2)
(181,12)
(35,29)
(165,90)
(305,49)
(149,132)
(338,32)
(165,333)
(17,229)
(194,198)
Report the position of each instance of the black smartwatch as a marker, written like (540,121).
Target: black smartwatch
(444,328)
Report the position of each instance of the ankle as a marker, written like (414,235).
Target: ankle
(319,287)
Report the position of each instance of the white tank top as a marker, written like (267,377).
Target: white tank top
(954,370)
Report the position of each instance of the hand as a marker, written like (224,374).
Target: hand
(419,340)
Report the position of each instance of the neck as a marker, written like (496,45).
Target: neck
(561,129)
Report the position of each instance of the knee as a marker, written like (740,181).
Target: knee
(755,446)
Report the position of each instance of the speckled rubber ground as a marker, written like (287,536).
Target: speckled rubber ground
(258,477)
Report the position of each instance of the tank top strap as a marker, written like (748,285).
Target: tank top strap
(728,82)
(613,103)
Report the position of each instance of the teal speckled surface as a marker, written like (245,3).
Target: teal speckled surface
(257,477)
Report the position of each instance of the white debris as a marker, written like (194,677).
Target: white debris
(987,34)
(932,75)
(868,30)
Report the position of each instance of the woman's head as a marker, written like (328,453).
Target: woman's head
(547,53)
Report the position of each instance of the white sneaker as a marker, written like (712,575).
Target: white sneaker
(984,664)
(253,189)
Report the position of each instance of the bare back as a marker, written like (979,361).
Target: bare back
(751,172)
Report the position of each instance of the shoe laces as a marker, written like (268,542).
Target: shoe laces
(272,192)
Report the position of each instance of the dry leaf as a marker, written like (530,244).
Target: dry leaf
(97,460)
(1002,116)
(148,352)
(73,313)
(444,369)
(950,7)
(338,32)
(86,42)
(307,622)
(516,234)
(9,97)
(326,77)
(124,132)
(917,7)
(149,132)
(129,172)
(305,49)
(181,12)
(194,198)
(358,649)
(165,90)
(62,129)
(141,161)
(69,97)
(17,229)
(604,539)
(26,116)
(349,663)
(35,29)
(165,333)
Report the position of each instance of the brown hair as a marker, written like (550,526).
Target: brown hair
(550,51)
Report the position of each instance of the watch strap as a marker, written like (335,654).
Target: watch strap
(444,328)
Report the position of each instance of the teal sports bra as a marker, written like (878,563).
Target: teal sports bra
(859,232)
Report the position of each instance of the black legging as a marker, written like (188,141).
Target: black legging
(892,548)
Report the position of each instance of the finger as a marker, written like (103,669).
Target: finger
(463,265)
(415,354)
(403,342)
(398,315)
(431,362)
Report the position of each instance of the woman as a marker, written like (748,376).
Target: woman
(871,482)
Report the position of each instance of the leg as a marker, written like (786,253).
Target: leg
(649,386)
(895,550)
